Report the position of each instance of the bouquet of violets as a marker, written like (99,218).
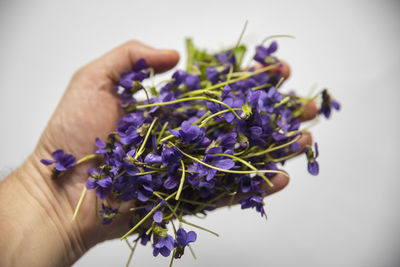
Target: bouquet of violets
(210,132)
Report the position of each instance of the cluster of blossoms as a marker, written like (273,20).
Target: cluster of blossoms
(209,132)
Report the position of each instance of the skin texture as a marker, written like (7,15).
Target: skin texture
(36,227)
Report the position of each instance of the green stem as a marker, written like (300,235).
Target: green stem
(86,158)
(219,85)
(268,150)
(132,251)
(182,181)
(277,36)
(141,149)
(248,165)
(146,217)
(287,157)
(279,82)
(190,53)
(145,91)
(191,251)
(162,131)
(201,228)
(189,99)
(79,202)
(229,171)
(204,122)
(173,211)
(261,87)
(284,101)
(191,201)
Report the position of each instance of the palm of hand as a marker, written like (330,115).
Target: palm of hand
(90,109)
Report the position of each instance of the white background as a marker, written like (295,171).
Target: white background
(347,216)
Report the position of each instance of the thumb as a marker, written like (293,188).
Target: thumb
(125,56)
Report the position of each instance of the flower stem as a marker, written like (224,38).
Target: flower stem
(201,228)
(268,150)
(79,202)
(189,99)
(162,132)
(248,165)
(279,82)
(276,36)
(287,157)
(86,158)
(141,149)
(132,251)
(204,122)
(182,181)
(146,217)
(219,85)
(229,171)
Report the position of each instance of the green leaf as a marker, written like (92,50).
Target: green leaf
(153,91)
(239,52)
(190,54)
(246,108)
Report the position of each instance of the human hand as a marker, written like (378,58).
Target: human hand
(88,109)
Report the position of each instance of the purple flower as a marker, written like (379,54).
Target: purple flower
(327,104)
(102,147)
(129,128)
(228,140)
(107,214)
(62,160)
(267,100)
(212,74)
(179,77)
(183,238)
(248,184)
(152,158)
(254,201)
(170,156)
(312,165)
(226,57)
(164,246)
(102,186)
(192,82)
(139,73)
(158,216)
(263,52)
(191,134)
(216,161)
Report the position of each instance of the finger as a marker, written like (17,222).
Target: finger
(279,181)
(310,112)
(305,140)
(284,69)
(125,56)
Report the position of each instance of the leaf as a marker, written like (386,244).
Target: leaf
(239,52)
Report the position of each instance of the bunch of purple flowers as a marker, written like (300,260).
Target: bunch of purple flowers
(207,133)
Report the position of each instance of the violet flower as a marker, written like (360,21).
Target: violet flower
(312,165)
(327,104)
(253,201)
(164,246)
(107,214)
(263,52)
(102,186)
(62,160)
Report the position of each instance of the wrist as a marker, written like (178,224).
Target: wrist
(35,222)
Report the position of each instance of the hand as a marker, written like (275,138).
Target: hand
(88,109)
(37,221)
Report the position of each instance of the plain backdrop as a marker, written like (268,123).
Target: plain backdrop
(349,215)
